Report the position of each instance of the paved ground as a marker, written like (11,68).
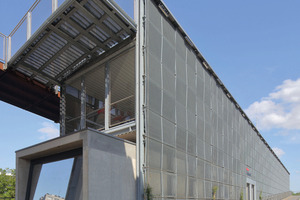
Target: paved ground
(292,198)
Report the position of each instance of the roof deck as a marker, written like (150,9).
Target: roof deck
(77,35)
(78,32)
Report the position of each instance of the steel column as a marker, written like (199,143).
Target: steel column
(140,95)
(83,104)
(29,20)
(62,107)
(5,52)
(9,48)
(54,5)
(107,97)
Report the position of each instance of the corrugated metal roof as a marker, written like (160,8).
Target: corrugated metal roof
(80,31)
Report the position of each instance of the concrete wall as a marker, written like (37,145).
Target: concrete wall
(106,169)
(196,138)
(110,168)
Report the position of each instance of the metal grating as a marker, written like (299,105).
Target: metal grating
(81,31)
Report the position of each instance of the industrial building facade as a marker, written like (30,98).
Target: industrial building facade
(141,112)
(214,143)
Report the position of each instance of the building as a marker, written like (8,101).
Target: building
(51,197)
(141,112)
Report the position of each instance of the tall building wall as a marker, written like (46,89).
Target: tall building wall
(196,137)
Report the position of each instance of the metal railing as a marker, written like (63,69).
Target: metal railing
(3,55)
(37,13)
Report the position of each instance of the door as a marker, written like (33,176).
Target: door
(250,190)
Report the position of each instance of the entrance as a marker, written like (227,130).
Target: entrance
(250,190)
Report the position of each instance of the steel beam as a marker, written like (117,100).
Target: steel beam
(88,35)
(121,129)
(35,72)
(69,39)
(114,17)
(97,22)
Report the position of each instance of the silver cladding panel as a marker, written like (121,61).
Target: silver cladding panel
(196,138)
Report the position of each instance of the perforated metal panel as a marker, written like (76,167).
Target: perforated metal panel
(207,141)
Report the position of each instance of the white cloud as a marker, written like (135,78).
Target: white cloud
(49,131)
(289,91)
(279,152)
(281,109)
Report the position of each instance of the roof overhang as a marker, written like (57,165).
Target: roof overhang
(78,32)
(30,95)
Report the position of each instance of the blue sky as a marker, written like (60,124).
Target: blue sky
(253,46)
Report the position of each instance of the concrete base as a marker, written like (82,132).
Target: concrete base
(108,165)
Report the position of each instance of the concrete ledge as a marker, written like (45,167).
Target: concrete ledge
(108,164)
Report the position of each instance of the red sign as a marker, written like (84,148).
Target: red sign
(247,169)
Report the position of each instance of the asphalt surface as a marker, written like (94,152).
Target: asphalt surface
(292,198)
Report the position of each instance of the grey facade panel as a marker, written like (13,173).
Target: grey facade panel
(196,134)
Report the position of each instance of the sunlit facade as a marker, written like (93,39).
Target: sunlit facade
(141,113)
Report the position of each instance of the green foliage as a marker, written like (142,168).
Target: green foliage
(214,191)
(7,182)
(296,194)
(260,195)
(148,193)
(242,195)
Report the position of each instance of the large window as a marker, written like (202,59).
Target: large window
(102,97)
(56,177)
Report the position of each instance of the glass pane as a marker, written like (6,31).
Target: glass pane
(122,78)
(54,179)
(95,97)
(72,109)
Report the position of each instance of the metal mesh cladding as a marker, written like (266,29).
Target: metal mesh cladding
(196,137)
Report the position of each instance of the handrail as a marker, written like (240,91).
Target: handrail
(24,17)
(2,35)
(124,99)
(4,58)
(7,45)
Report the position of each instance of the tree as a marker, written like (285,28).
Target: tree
(7,182)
